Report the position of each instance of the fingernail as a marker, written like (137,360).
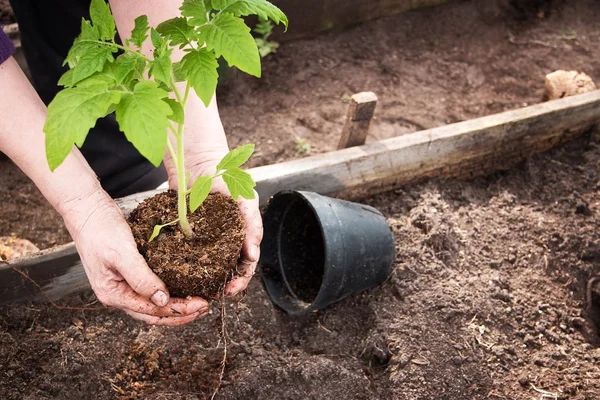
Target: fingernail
(160,298)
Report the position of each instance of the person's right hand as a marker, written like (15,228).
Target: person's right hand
(116,270)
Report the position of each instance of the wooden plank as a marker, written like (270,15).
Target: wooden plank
(58,271)
(360,112)
(464,149)
(309,17)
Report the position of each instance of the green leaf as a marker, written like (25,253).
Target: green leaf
(155,232)
(71,115)
(157,228)
(88,55)
(124,65)
(66,79)
(200,191)
(93,58)
(236,157)
(178,114)
(160,69)
(179,73)
(140,31)
(142,116)
(99,78)
(229,37)
(157,40)
(239,183)
(200,69)
(262,8)
(177,31)
(103,19)
(196,10)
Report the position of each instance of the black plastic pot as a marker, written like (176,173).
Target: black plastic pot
(317,250)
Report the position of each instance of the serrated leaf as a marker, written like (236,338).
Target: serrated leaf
(160,69)
(157,40)
(262,8)
(200,69)
(88,55)
(229,37)
(200,191)
(66,79)
(177,31)
(99,78)
(236,157)
(124,65)
(178,72)
(143,117)
(92,59)
(239,183)
(103,19)
(139,34)
(178,114)
(196,10)
(71,115)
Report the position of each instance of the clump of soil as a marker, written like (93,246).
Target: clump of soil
(199,266)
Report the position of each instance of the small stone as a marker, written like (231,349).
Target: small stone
(524,381)
(552,336)
(12,248)
(539,362)
(561,84)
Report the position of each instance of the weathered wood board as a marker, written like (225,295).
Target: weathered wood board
(464,149)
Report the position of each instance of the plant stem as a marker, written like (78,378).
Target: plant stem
(181,186)
(180,164)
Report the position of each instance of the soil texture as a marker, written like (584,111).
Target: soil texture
(197,266)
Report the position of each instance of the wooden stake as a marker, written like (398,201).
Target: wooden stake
(360,112)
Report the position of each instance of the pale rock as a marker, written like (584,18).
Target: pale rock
(561,84)
(12,248)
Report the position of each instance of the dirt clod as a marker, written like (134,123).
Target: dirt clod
(199,266)
(561,84)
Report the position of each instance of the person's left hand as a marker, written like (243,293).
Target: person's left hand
(203,162)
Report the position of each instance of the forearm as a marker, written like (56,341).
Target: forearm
(203,129)
(22,115)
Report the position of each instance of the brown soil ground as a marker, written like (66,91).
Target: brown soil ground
(202,265)
(487,303)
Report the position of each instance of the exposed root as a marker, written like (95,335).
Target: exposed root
(224,338)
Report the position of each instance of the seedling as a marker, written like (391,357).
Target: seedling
(265,46)
(106,77)
(302,146)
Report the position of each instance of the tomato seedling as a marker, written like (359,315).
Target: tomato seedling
(105,76)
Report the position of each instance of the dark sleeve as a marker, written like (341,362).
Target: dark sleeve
(6,46)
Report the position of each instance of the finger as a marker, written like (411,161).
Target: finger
(164,321)
(246,271)
(125,298)
(254,228)
(141,279)
(236,286)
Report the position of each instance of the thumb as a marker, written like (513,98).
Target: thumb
(142,280)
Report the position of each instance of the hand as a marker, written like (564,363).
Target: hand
(116,270)
(204,162)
